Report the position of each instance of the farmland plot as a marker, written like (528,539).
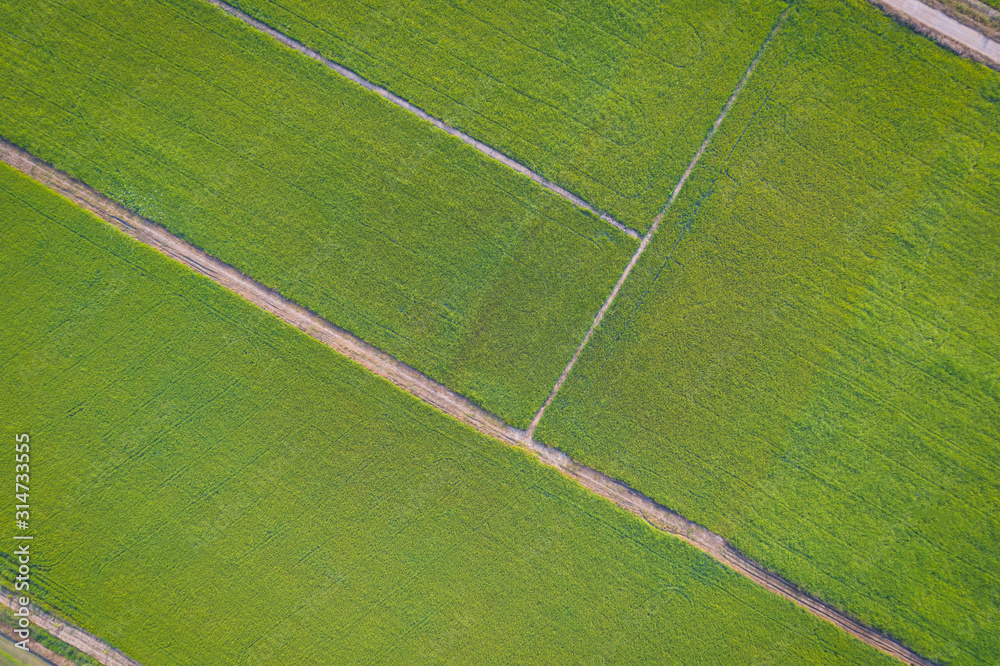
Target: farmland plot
(806,359)
(608,99)
(201,471)
(349,206)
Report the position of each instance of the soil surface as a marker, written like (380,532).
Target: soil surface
(39,653)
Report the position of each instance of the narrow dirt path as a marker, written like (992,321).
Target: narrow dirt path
(485,149)
(432,393)
(67,633)
(718,549)
(656,224)
(940,24)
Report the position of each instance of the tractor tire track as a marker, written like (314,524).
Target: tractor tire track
(485,149)
(428,391)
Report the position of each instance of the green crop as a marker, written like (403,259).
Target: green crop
(210,486)
(344,203)
(610,100)
(806,359)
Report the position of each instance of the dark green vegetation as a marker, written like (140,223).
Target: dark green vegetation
(342,202)
(201,471)
(610,100)
(806,359)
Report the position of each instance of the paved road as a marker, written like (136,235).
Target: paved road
(940,22)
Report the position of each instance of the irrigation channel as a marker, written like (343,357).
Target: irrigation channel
(656,224)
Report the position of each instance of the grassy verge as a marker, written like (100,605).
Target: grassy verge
(340,201)
(806,359)
(972,15)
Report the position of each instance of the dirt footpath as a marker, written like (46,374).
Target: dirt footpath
(427,390)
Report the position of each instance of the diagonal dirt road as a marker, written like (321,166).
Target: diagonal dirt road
(485,149)
(432,393)
(940,23)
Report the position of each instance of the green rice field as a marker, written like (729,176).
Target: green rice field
(211,486)
(342,202)
(610,100)
(806,359)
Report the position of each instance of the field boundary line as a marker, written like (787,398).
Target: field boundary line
(656,223)
(72,635)
(483,148)
(439,396)
(947,31)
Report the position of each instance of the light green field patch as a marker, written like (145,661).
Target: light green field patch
(342,202)
(200,470)
(610,100)
(806,359)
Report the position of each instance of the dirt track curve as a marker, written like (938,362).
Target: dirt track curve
(940,23)
(485,149)
(67,633)
(432,393)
